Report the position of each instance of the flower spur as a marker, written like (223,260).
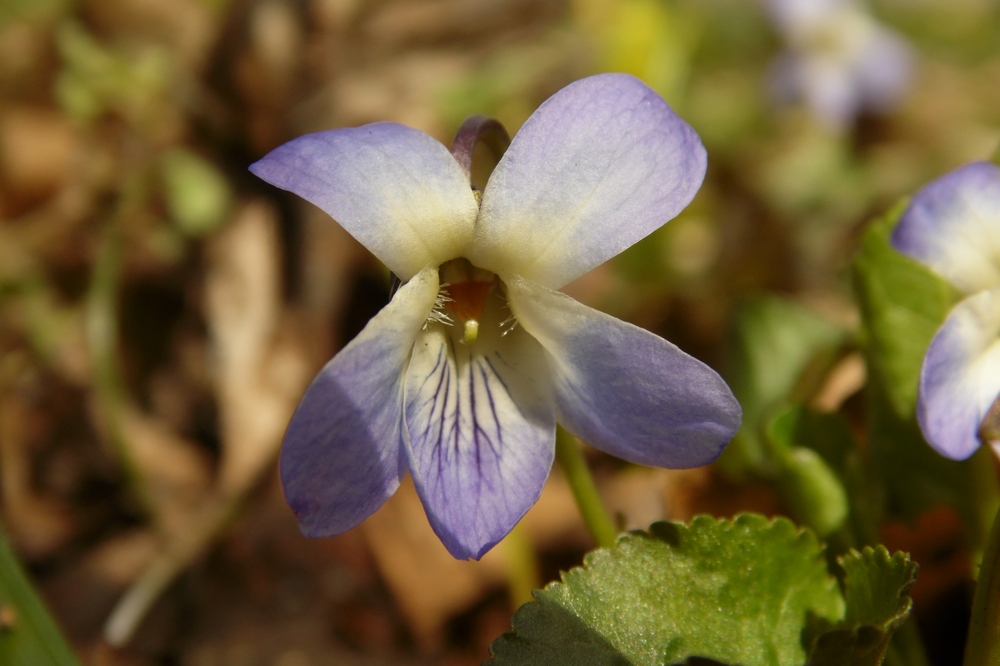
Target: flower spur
(461,378)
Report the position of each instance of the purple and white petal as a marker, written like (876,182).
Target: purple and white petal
(960,378)
(624,390)
(600,165)
(342,455)
(953,226)
(481,432)
(395,189)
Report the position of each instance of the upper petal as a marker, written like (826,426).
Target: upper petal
(395,189)
(481,431)
(342,454)
(960,378)
(624,390)
(601,164)
(953,225)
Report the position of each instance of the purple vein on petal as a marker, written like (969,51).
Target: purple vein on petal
(480,429)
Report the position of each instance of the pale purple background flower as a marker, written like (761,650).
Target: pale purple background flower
(839,59)
(469,409)
(953,226)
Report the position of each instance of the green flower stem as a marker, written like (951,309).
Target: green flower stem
(522,567)
(102,347)
(102,338)
(574,466)
(28,635)
(907,647)
(982,647)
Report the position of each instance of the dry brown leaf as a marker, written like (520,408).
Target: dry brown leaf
(38,525)
(634,496)
(429,584)
(842,381)
(330,256)
(398,23)
(186,27)
(176,472)
(260,370)
(405,90)
(37,149)
(121,558)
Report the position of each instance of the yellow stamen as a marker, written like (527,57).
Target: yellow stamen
(471,331)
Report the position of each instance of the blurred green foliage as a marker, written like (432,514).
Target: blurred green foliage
(775,344)
(98,79)
(198,197)
(28,636)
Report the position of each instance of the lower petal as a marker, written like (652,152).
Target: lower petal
(341,458)
(481,431)
(624,390)
(960,378)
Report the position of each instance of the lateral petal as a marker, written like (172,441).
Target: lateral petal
(953,225)
(342,453)
(600,165)
(481,432)
(624,390)
(398,191)
(960,378)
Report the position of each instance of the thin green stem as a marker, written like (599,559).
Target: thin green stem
(574,466)
(102,338)
(982,647)
(522,567)
(102,343)
(907,647)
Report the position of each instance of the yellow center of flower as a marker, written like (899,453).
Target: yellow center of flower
(467,288)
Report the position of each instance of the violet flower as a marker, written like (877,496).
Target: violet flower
(953,226)
(840,60)
(461,378)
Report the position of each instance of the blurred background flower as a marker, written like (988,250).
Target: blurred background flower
(839,60)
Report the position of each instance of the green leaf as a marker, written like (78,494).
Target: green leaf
(776,342)
(744,591)
(817,495)
(28,636)
(875,587)
(903,303)
(837,491)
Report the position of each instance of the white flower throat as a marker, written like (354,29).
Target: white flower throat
(464,293)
